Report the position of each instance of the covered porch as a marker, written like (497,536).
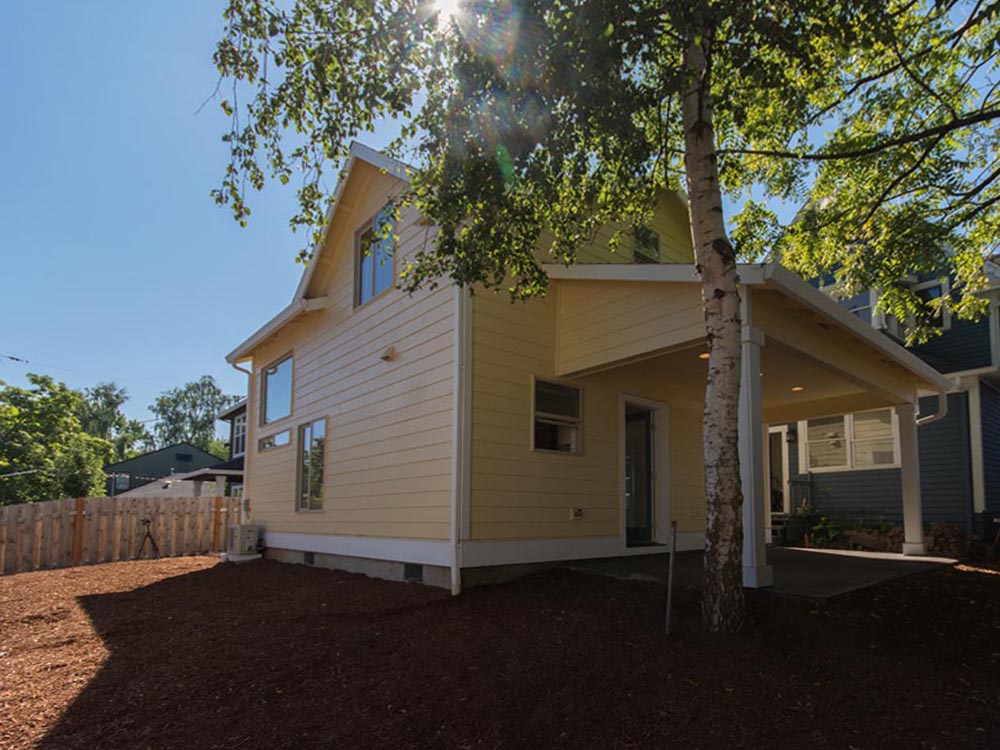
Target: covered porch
(802,573)
(804,357)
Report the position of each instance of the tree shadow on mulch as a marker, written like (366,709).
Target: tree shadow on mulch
(282,656)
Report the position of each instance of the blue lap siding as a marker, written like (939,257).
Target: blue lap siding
(945,475)
(990,404)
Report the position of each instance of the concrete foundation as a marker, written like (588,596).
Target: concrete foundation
(389,570)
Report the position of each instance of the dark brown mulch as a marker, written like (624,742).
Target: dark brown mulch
(185,653)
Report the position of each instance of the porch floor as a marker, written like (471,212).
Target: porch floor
(807,573)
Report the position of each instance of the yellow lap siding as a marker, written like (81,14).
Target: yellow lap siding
(388,455)
(517,493)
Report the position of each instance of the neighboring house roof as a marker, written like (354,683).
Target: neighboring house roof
(139,463)
(231,468)
(163,487)
(300,303)
(233,411)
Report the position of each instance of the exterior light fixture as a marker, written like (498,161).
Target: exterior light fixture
(798,388)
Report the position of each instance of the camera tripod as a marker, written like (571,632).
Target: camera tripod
(152,542)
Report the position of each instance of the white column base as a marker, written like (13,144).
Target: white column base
(914,548)
(758,576)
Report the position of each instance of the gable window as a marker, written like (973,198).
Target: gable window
(376,249)
(866,440)
(312,440)
(184,458)
(928,292)
(647,245)
(276,391)
(557,417)
(239,441)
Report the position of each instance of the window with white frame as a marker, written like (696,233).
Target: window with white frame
(866,440)
(557,417)
(239,441)
(276,391)
(312,442)
(929,292)
(862,306)
(376,246)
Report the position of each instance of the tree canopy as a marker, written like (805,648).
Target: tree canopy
(188,414)
(45,454)
(101,415)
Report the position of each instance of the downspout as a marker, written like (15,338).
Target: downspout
(940,414)
(460,434)
(246,451)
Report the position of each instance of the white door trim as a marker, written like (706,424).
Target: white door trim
(785,468)
(661,464)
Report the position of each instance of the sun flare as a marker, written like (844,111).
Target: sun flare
(447,9)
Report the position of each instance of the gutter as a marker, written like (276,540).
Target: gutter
(940,414)
(297,307)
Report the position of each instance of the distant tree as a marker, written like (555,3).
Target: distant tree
(188,413)
(45,454)
(101,415)
(219,447)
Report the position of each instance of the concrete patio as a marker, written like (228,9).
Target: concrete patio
(806,573)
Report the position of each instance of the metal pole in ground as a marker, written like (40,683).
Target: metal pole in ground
(670,571)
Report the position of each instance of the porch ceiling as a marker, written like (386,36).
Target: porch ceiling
(793,386)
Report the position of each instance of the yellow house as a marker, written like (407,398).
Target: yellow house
(438,435)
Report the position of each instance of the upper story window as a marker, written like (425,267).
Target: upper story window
(375,261)
(276,391)
(557,417)
(928,291)
(861,305)
(238,445)
(866,440)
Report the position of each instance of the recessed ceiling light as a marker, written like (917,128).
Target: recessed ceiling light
(798,388)
(703,355)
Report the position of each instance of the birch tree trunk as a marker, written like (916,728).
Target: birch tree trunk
(723,600)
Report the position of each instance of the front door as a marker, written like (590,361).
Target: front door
(638,476)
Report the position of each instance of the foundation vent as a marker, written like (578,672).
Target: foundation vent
(413,572)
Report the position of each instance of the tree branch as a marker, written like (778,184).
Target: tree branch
(902,140)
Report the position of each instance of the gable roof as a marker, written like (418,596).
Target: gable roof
(123,466)
(301,304)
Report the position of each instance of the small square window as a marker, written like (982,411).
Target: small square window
(647,245)
(184,458)
(557,417)
(122,481)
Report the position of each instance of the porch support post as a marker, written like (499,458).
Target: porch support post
(909,460)
(756,572)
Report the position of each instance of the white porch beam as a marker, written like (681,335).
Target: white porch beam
(756,572)
(909,458)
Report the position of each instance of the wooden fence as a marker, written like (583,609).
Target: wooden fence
(86,530)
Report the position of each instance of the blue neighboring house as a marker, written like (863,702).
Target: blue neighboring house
(849,464)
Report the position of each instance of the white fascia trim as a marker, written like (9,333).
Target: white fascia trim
(797,288)
(296,308)
(419,551)
(481,554)
(656,272)
(193,475)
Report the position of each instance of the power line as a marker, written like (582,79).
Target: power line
(21,360)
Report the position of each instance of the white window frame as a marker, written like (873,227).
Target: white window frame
(557,419)
(945,285)
(803,431)
(239,436)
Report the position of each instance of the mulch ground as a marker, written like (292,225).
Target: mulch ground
(185,653)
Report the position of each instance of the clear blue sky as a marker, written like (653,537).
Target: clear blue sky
(115,264)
